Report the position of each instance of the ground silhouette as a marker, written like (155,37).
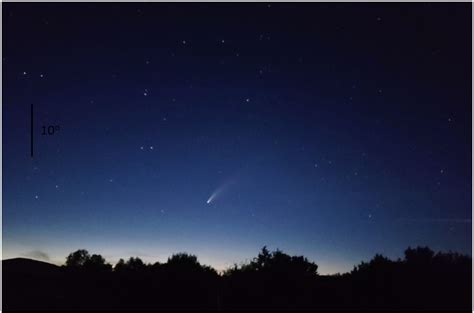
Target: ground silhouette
(272,280)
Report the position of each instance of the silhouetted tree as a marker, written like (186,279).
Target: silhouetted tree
(132,264)
(156,266)
(187,263)
(420,256)
(378,264)
(183,259)
(262,259)
(135,264)
(97,263)
(278,262)
(272,280)
(452,259)
(120,266)
(77,258)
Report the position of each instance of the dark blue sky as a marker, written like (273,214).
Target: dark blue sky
(335,131)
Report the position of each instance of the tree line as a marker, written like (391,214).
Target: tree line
(423,279)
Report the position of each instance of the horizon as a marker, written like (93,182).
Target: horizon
(150,261)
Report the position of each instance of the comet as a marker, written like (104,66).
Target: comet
(210,198)
(214,195)
(218,191)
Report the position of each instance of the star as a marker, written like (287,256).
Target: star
(36,196)
(151,147)
(247,100)
(184,42)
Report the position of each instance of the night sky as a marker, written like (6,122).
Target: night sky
(334,131)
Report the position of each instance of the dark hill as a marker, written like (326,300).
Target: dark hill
(29,267)
(31,284)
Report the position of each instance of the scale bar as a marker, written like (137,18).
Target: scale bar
(31,130)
